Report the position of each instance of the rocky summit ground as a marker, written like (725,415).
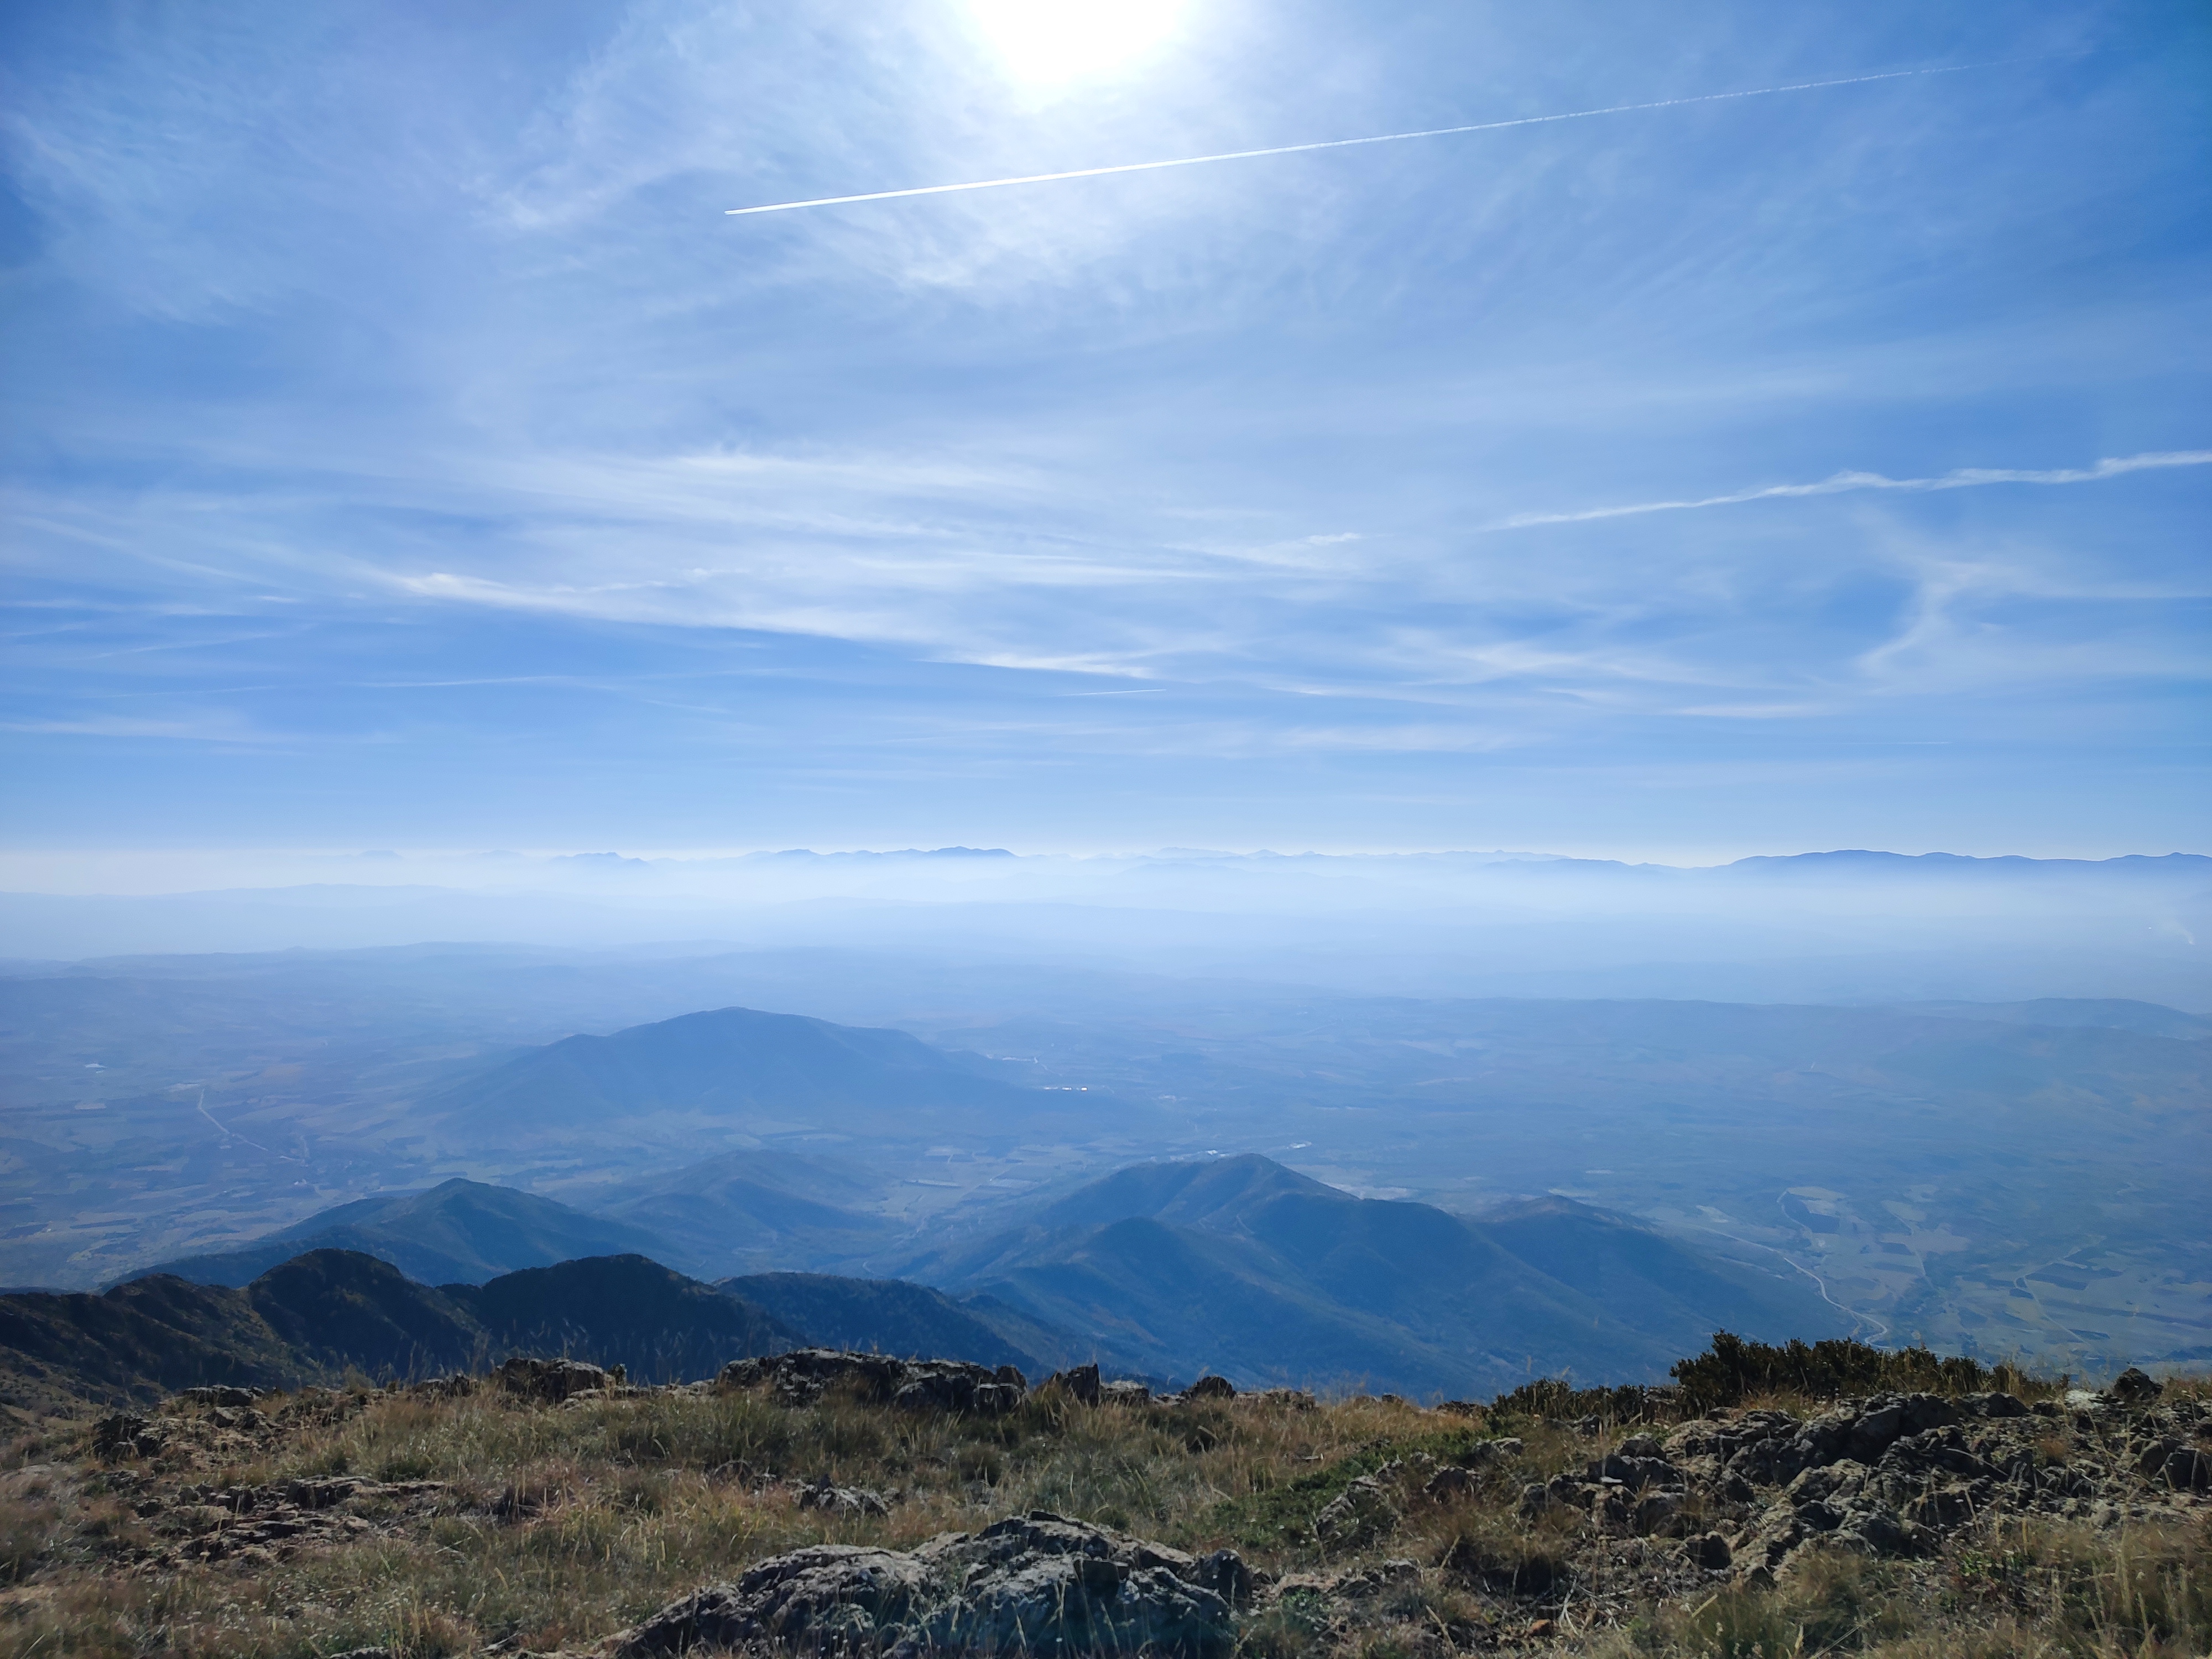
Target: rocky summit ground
(831,1502)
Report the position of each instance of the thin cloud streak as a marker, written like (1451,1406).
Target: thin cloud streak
(1966,478)
(1348,143)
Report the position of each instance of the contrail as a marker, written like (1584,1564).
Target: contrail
(1347,143)
(1965,477)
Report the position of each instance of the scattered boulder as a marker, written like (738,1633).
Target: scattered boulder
(1374,1580)
(1122,1392)
(123,1435)
(1036,1584)
(1457,1481)
(220,1394)
(1637,1464)
(550,1381)
(220,1524)
(1080,1383)
(1356,1516)
(955,1385)
(1709,1551)
(1450,1484)
(842,1500)
(2188,1469)
(1226,1573)
(2135,1388)
(803,1376)
(1211,1388)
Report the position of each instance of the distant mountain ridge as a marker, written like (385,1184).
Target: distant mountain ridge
(325,1312)
(1163,1269)
(459,1231)
(913,1321)
(2064,1013)
(730,1065)
(1241,1266)
(750,1211)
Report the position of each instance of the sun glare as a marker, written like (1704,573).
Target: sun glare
(1049,41)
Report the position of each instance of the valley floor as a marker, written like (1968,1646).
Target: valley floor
(417,1523)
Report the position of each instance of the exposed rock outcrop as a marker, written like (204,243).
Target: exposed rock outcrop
(1039,1584)
(551,1380)
(805,1375)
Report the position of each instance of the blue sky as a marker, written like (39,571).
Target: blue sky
(404,447)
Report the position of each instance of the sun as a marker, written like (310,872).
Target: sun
(1044,41)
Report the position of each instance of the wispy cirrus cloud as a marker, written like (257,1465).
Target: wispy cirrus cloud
(1967,477)
(425,325)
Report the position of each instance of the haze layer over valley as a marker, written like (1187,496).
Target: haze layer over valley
(2000,1157)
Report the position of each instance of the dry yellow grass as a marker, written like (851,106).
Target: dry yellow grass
(557,1526)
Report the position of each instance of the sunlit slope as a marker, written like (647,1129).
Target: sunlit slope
(1242,1266)
(1649,1282)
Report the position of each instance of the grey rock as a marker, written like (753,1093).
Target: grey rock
(832,1597)
(1226,1573)
(1842,1479)
(842,1500)
(220,1394)
(551,1380)
(1358,1516)
(2188,1469)
(1635,1473)
(1876,1431)
(1814,1516)
(124,1435)
(805,1375)
(2134,1388)
(1450,1484)
(1081,1381)
(1709,1551)
(1875,1531)
(1374,1580)
(1038,1584)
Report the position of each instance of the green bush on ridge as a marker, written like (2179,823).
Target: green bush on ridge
(1735,1370)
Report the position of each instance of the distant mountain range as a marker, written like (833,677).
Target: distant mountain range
(890,1316)
(316,1317)
(458,1232)
(1236,1264)
(738,1069)
(2077,1013)
(1242,1267)
(751,1211)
